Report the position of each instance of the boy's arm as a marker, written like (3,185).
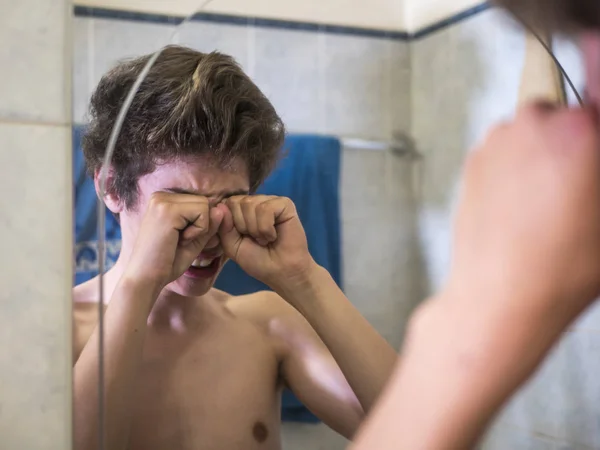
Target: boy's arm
(365,358)
(124,335)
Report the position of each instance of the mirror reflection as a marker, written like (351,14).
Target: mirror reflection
(260,196)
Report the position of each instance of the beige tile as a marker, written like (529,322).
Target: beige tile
(400,88)
(462,83)
(82,67)
(357,74)
(33,57)
(287,70)
(115,40)
(362,183)
(36,280)
(207,37)
(580,409)
(503,437)
(590,320)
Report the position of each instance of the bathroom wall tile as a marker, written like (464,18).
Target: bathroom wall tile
(400,117)
(573,446)
(232,40)
(375,181)
(561,400)
(540,405)
(383,290)
(461,85)
(357,84)
(590,320)
(581,412)
(35,301)
(503,437)
(437,119)
(117,39)
(382,261)
(33,57)
(362,183)
(286,68)
(400,88)
(82,81)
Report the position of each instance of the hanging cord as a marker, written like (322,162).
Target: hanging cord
(101,212)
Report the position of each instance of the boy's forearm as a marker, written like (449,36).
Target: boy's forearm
(457,371)
(364,356)
(125,324)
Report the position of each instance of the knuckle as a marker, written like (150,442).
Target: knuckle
(288,203)
(155,198)
(202,200)
(247,200)
(159,206)
(202,219)
(263,207)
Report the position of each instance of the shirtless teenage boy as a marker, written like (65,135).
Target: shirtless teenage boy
(187,366)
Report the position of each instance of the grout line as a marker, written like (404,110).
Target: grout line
(37,123)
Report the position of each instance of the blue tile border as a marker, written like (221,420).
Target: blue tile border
(455,19)
(115,14)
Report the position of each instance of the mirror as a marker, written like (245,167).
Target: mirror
(378,125)
(343,95)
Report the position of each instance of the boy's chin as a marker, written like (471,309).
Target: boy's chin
(191,288)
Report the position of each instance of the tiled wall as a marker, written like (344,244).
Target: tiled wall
(321,82)
(35,230)
(465,78)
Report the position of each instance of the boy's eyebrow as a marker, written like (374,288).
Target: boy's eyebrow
(176,190)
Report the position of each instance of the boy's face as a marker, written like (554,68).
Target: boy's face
(196,177)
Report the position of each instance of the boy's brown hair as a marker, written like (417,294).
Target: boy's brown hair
(567,16)
(191,104)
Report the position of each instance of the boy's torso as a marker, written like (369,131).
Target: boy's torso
(214,386)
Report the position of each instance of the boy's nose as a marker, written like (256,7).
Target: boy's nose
(212,244)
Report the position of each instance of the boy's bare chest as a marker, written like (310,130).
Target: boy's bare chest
(220,390)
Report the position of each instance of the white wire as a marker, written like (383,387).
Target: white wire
(101,212)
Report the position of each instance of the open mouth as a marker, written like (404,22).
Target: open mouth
(203,263)
(204,267)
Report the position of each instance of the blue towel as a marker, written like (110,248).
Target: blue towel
(86,236)
(309,175)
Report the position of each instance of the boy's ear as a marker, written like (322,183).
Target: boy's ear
(112,202)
